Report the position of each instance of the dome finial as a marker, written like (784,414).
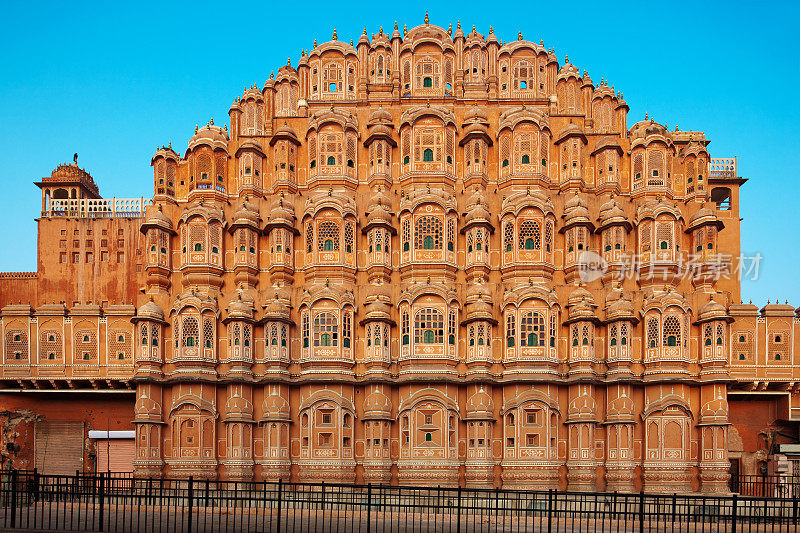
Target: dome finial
(365,30)
(427,19)
(315,42)
(519,36)
(334,35)
(395,24)
(405,30)
(450,28)
(458,24)
(473,28)
(566,58)
(288,61)
(195,128)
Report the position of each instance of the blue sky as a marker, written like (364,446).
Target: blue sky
(112,81)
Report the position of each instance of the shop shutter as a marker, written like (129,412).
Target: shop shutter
(58,447)
(115,455)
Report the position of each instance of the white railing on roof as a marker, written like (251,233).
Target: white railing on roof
(97,207)
(722,167)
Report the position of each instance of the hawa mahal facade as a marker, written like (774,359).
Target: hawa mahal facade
(429,257)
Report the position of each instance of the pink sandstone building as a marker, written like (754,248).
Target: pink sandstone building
(429,257)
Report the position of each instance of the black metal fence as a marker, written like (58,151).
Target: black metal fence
(122,503)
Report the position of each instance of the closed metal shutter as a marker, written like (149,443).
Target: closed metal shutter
(58,447)
(115,455)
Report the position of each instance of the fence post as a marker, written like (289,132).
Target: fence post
(14,498)
(369,507)
(734,510)
(458,518)
(280,498)
(190,495)
(322,500)
(674,505)
(794,509)
(549,510)
(641,511)
(100,496)
(35,484)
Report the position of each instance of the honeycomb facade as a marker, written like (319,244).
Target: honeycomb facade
(426,258)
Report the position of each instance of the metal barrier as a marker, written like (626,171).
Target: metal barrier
(125,503)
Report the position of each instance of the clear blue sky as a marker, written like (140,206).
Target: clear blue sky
(112,81)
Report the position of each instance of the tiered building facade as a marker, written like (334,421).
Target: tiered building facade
(426,258)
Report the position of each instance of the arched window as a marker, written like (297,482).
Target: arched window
(511,330)
(652,332)
(672,331)
(427,82)
(532,329)
(190,332)
(405,328)
(526,159)
(328,236)
(427,155)
(530,235)
(326,332)
(429,326)
(428,233)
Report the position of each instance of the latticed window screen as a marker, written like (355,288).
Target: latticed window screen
(612,334)
(190,332)
(429,326)
(524,75)
(508,237)
(16,344)
(203,166)
(530,236)
(587,335)
(778,345)
(50,345)
(645,238)
(346,333)
(197,238)
(511,330)
(505,153)
(428,233)
(326,330)
(451,234)
(208,333)
(553,328)
(246,334)
(652,332)
(720,339)
(638,166)
(532,330)
(328,236)
(524,148)
(623,333)
(405,327)
(305,329)
(672,331)
(448,74)
(451,327)
(309,236)
(406,146)
(664,235)
(85,348)
(236,335)
(215,236)
(743,346)
(428,145)
(330,149)
(406,234)
(427,74)
(655,164)
(119,346)
(348,237)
